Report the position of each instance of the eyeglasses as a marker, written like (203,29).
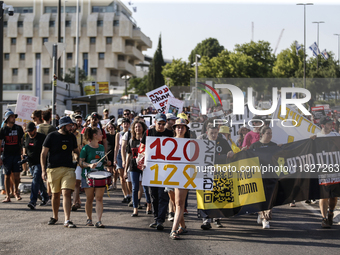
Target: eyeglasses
(161,124)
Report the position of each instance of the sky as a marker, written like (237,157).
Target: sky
(183,24)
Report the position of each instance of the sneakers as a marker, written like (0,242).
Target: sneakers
(206,226)
(126,200)
(259,220)
(218,223)
(330,218)
(160,226)
(43,203)
(31,206)
(265,224)
(325,223)
(52,221)
(153,224)
(171,216)
(69,224)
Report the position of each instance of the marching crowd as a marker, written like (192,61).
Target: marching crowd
(63,161)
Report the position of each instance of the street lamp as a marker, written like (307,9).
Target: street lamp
(304,48)
(317,57)
(126,78)
(338,35)
(196,64)
(10,8)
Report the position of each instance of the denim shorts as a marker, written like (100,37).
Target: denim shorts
(119,160)
(84,184)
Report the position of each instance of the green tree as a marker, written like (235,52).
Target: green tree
(156,78)
(209,47)
(179,73)
(71,77)
(140,85)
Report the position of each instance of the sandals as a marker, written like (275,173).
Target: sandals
(17,197)
(89,223)
(6,200)
(99,224)
(174,235)
(181,230)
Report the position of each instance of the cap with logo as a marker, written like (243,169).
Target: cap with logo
(94,115)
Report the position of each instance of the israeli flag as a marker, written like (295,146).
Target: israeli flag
(297,47)
(314,47)
(324,54)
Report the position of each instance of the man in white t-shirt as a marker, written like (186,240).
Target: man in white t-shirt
(327,219)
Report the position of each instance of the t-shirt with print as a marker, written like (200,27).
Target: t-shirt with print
(12,137)
(250,138)
(60,149)
(92,155)
(132,148)
(33,148)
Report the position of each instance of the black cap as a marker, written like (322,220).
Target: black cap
(325,119)
(94,115)
(30,127)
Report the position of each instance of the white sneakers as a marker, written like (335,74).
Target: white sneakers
(264,222)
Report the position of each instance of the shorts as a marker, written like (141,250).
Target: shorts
(119,160)
(78,173)
(84,184)
(61,178)
(10,164)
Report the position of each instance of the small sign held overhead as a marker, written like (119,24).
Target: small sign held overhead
(49,47)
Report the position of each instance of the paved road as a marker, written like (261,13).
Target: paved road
(293,231)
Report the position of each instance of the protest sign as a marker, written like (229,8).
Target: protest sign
(159,98)
(26,105)
(175,162)
(174,106)
(260,179)
(69,112)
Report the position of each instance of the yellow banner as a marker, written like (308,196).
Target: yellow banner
(90,89)
(236,184)
(103,87)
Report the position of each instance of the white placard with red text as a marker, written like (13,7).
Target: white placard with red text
(174,106)
(178,163)
(159,98)
(26,105)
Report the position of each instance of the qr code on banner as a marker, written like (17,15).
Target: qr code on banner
(223,190)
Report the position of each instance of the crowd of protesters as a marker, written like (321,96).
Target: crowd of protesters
(66,156)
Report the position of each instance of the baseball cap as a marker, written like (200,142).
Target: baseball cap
(170,116)
(119,121)
(160,117)
(78,116)
(325,119)
(30,126)
(94,115)
(105,110)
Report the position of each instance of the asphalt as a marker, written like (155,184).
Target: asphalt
(293,231)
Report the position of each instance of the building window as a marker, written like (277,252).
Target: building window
(62,71)
(101,55)
(6,56)
(92,40)
(93,71)
(17,87)
(48,86)
(85,55)
(52,23)
(113,73)
(69,56)
(13,41)
(23,9)
(100,23)
(71,9)
(108,40)
(51,9)
(62,39)
(15,71)
(121,58)
(68,23)
(30,71)
(29,41)
(20,24)
(37,55)
(116,23)
(75,40)
(22,56)
(46,71)
(5,23)
(45,39)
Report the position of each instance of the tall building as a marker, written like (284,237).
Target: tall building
(110,44)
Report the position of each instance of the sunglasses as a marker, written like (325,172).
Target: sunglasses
(161,124)
(126,114)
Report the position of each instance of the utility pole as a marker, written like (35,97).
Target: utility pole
(317,38)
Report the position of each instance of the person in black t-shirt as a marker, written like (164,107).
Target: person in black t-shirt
(12,135)
(32,148)
(111,143)
(58,146)
(160,199)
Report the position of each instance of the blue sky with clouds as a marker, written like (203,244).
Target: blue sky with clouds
(183,24)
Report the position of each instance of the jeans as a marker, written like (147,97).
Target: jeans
(135,188)
(160,201)
(37,184)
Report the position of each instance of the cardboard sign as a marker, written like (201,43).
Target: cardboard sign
(159,98)
(26,105)
(69,112)
(174,106)
(179,163)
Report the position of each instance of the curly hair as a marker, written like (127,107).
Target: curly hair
(133,133)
